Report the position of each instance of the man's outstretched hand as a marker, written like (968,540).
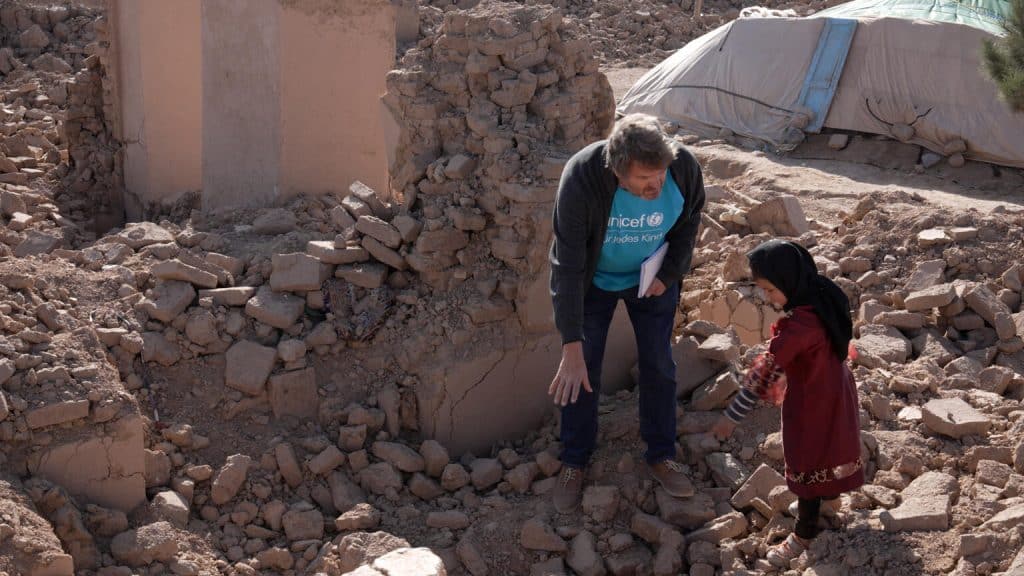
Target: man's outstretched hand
(571,375)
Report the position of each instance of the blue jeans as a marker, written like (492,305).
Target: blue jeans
(653,320)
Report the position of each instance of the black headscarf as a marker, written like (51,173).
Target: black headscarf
(790,267)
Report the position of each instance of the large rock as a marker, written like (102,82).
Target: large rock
(601,502)
(380,477)
(407,562)
(926,504)
(288,464)
(157,542)
(298,272)
(926,275)
(781,216)
(691,369)
(303,523)
(345,494)
(178,270)
(731,525)
(360,517)
(715,394)
(537,535)
(369,196)
(233,296)
(1006,521)
(992,309)
(326,461)
(759,485)
(583,557)
(157,348)
(294,394)
(169,299)
(934,345)
(279,559)
(275,309)
(230,478)
(720,347)
(201,328)
(485,473)
(141,234)
(688,513)
(401,456)
(650,528)
(355,550)
(727,470)
(928,298)
(328,253)
(56,413)
(380,230)
(472,560)
(33,39)
(435,457)
(248,366)
(172,507)
(878,350)
(954,418)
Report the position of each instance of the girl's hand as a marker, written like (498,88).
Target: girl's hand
(723,428)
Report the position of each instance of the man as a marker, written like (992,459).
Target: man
(619,199)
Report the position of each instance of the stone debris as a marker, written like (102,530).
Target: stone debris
(326,339)
(955,418)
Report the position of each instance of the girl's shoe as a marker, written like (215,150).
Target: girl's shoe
(781,555)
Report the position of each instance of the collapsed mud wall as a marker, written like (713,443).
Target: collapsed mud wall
(489,109)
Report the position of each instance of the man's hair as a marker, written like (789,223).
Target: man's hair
(638,138)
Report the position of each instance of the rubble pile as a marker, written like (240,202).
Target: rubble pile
(634,33)
(938,362)
(43,46)
(273,391)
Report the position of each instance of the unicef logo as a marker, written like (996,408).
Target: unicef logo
(656,219)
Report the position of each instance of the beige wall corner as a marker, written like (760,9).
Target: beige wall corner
(333,65)
(158,53)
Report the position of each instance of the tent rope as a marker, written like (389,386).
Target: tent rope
(867,104)
(729,92)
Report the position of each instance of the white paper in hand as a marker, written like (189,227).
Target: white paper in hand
(650,267)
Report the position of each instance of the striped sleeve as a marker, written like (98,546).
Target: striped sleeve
(741,405)
(763,381)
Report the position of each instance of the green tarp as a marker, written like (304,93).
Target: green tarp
(987,15)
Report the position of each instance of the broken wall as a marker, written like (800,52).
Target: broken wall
(489,110)
(250,102)
(64,413)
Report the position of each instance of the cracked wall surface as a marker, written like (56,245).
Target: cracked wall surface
(108,470)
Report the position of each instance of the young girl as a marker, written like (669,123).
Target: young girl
(805,370)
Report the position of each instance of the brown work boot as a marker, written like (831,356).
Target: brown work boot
(566,495)
(670,475)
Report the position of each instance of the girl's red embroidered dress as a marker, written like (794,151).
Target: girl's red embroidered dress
(820,411)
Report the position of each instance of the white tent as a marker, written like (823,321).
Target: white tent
(777,78)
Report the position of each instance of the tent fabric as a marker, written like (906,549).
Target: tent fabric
(747,76)
(987,15)
(929,75)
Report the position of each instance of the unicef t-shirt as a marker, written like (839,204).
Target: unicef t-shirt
(636,228)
